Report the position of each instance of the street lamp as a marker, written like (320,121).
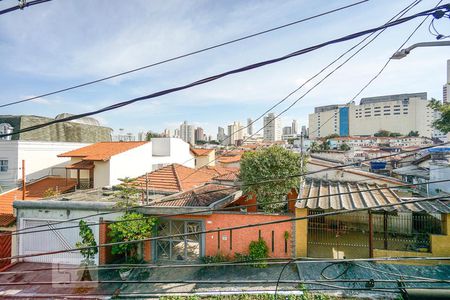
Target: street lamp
(402,53)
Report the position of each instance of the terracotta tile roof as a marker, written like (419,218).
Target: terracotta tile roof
(201,152)
(174,178)
(82,165)
(34,191)
(229,159)
(102,150)
(6,220)
(200,196)
(227,177)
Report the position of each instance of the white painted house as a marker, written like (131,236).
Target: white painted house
(166,151)
(102,164)
(40,159)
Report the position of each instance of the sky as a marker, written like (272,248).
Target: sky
(66,42)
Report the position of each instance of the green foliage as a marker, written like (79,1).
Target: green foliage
(344,147)
(305,296)
(443,123)
(331,136)
(286,235)
(126,193)
(314,147)
(394,134)
(218,258)
(151,134)
(87,240)
(325,146)
(413,133)
(386,133)
(258,251)
(134,227)
(272,162)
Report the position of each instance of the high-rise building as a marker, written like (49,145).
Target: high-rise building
(304,131)
(272,128)
(287,130)
(446,88)
(187,133)
(141,136)
(235,134)
(221,136)
(176,133)
(249,126)
(294,127)
(400,113)
(199,134)
(167,133)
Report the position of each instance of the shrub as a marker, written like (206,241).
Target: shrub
(258,251)
(214,259)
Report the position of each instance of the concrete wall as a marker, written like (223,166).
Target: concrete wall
(102,174)
(207,160)
(40,158)
(439,171)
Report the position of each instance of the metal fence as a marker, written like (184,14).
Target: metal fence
(404,231)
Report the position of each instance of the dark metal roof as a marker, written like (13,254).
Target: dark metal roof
(354,195)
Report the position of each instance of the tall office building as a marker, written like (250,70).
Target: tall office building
(187,133)
(199,134)
(396,113)
(287,130)
(235,133)
(294,127)
(272,128)
(221,136)
(446,88)
(249,126)
(304,131)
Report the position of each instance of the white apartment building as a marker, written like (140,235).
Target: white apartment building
(187,133)
(400,113)
(235,133)
(356,142)
(272,128)
(446,88)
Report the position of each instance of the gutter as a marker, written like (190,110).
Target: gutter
(51,204)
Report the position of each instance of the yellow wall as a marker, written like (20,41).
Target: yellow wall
(301,233)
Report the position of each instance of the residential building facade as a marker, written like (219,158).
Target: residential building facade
(400,113)
(272,128)
(187,133)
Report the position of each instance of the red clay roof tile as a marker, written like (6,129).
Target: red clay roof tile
(102,150)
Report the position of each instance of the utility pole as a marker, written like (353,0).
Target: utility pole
(24,187)
(146,187)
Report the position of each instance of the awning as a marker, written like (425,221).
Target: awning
(82,165)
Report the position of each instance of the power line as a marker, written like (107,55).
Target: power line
(379,72)
(185,55)
(22,5)
(227,228)
(287,201)
(259,182)
(231,72)
(399,14)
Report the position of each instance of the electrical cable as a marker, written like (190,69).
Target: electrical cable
(226,228)
(28,231)
(231,72)
(22,6)
(398,15)
(186,54)
(379,72)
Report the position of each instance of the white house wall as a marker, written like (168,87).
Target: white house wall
(40,158)
(131,163)
(169,151)
(102,174)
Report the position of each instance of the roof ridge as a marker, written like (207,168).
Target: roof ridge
(177,179)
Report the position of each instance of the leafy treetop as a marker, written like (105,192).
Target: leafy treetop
(443,123)
(273,162)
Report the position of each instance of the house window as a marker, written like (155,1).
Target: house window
(3,165)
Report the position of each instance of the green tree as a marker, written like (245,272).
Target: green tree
(344,147)
(151,134)
(395,134)
(87,240)
(331,136)
(132,226)
(325,146)
(128,195)
(273,162)
(413,133)
(314,147)
(443,122)
(382,133)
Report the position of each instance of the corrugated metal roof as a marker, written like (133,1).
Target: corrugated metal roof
(340,195)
